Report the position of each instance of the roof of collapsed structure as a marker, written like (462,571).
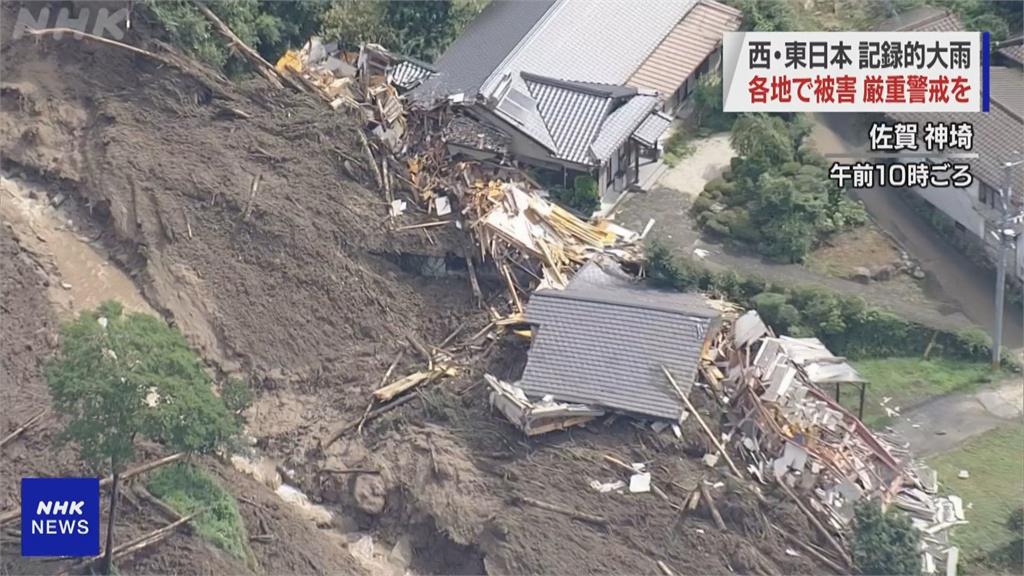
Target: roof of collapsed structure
(549,69)
(603,340)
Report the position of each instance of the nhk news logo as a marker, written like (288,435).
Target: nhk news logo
(60,516)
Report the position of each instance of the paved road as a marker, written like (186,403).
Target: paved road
(943,423)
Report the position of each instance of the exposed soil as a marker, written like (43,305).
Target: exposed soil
(296,288)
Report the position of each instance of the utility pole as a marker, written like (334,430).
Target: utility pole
(1005,237)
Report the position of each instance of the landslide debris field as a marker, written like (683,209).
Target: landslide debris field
(295,288)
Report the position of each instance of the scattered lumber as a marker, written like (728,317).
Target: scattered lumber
(21,429)
(810,550)
(253,189)
(560,510)
(712,508)
(665,569)
(818,525)
(263,68)
(412,380)
(133,546)
(700,420)
(338,432)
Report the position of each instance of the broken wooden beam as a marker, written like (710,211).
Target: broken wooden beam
(712,508)
(560,510)
(21,429)
(700,420)
(333,436)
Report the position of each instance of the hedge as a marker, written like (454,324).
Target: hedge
(843,323)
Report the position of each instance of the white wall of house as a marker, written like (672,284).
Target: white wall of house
(974,208)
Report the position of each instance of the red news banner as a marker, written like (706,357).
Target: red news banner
(853,72)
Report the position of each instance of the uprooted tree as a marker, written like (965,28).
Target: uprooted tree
(884,541)
(121,377)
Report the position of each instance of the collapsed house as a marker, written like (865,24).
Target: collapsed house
(601,344)
(575,87)
(605,344)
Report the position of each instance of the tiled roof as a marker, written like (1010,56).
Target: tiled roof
(1014,52)
(603,341)
(652,128)
(620,124)
(685,47)
(481,48)
(572,116)
(923,19)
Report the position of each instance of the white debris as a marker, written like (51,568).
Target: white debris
(710,459)
(604,487)
(398,207)
(793,553)
(640,483)
(963,475)
(443,206)
(700,253)
(102,320)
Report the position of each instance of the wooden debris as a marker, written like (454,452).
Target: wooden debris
(818,525)
(350,470)
(810,550)
(263,68)
(560,510)
(665,569)
(703,425)
(412,380)
(253,188)
(21,429)
(333,436)
(424,225)
(706,496)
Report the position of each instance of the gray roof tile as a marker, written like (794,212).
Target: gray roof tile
(621,123)
(652,128)
(603,341)
(481,48)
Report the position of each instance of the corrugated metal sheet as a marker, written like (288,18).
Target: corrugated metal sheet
(620,124)
(603,343)
(652,128)
(572,117)
(685,47)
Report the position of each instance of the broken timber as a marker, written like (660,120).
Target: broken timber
(560,510)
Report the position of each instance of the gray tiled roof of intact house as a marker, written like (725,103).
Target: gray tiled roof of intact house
(621,123)
(603,342)
(481,48)
(652,128)
(573,112)
(922,19)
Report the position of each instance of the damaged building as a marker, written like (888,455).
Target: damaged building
(570,87)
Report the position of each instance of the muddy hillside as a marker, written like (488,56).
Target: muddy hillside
(246,215)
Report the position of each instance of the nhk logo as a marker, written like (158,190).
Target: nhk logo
(60,516)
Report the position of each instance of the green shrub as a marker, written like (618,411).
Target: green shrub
(884,542)
(702,203)
(189,490)
(582,198)
(790,168)
(715,225)
(844,323)
(715,185)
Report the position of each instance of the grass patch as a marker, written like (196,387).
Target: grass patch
(995,488)
(188,489)
(910,381)
(678,146)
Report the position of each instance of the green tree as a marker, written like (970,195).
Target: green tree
(760,137)
(119,377)
(884,542)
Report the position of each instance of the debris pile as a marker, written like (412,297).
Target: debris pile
(787,429)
